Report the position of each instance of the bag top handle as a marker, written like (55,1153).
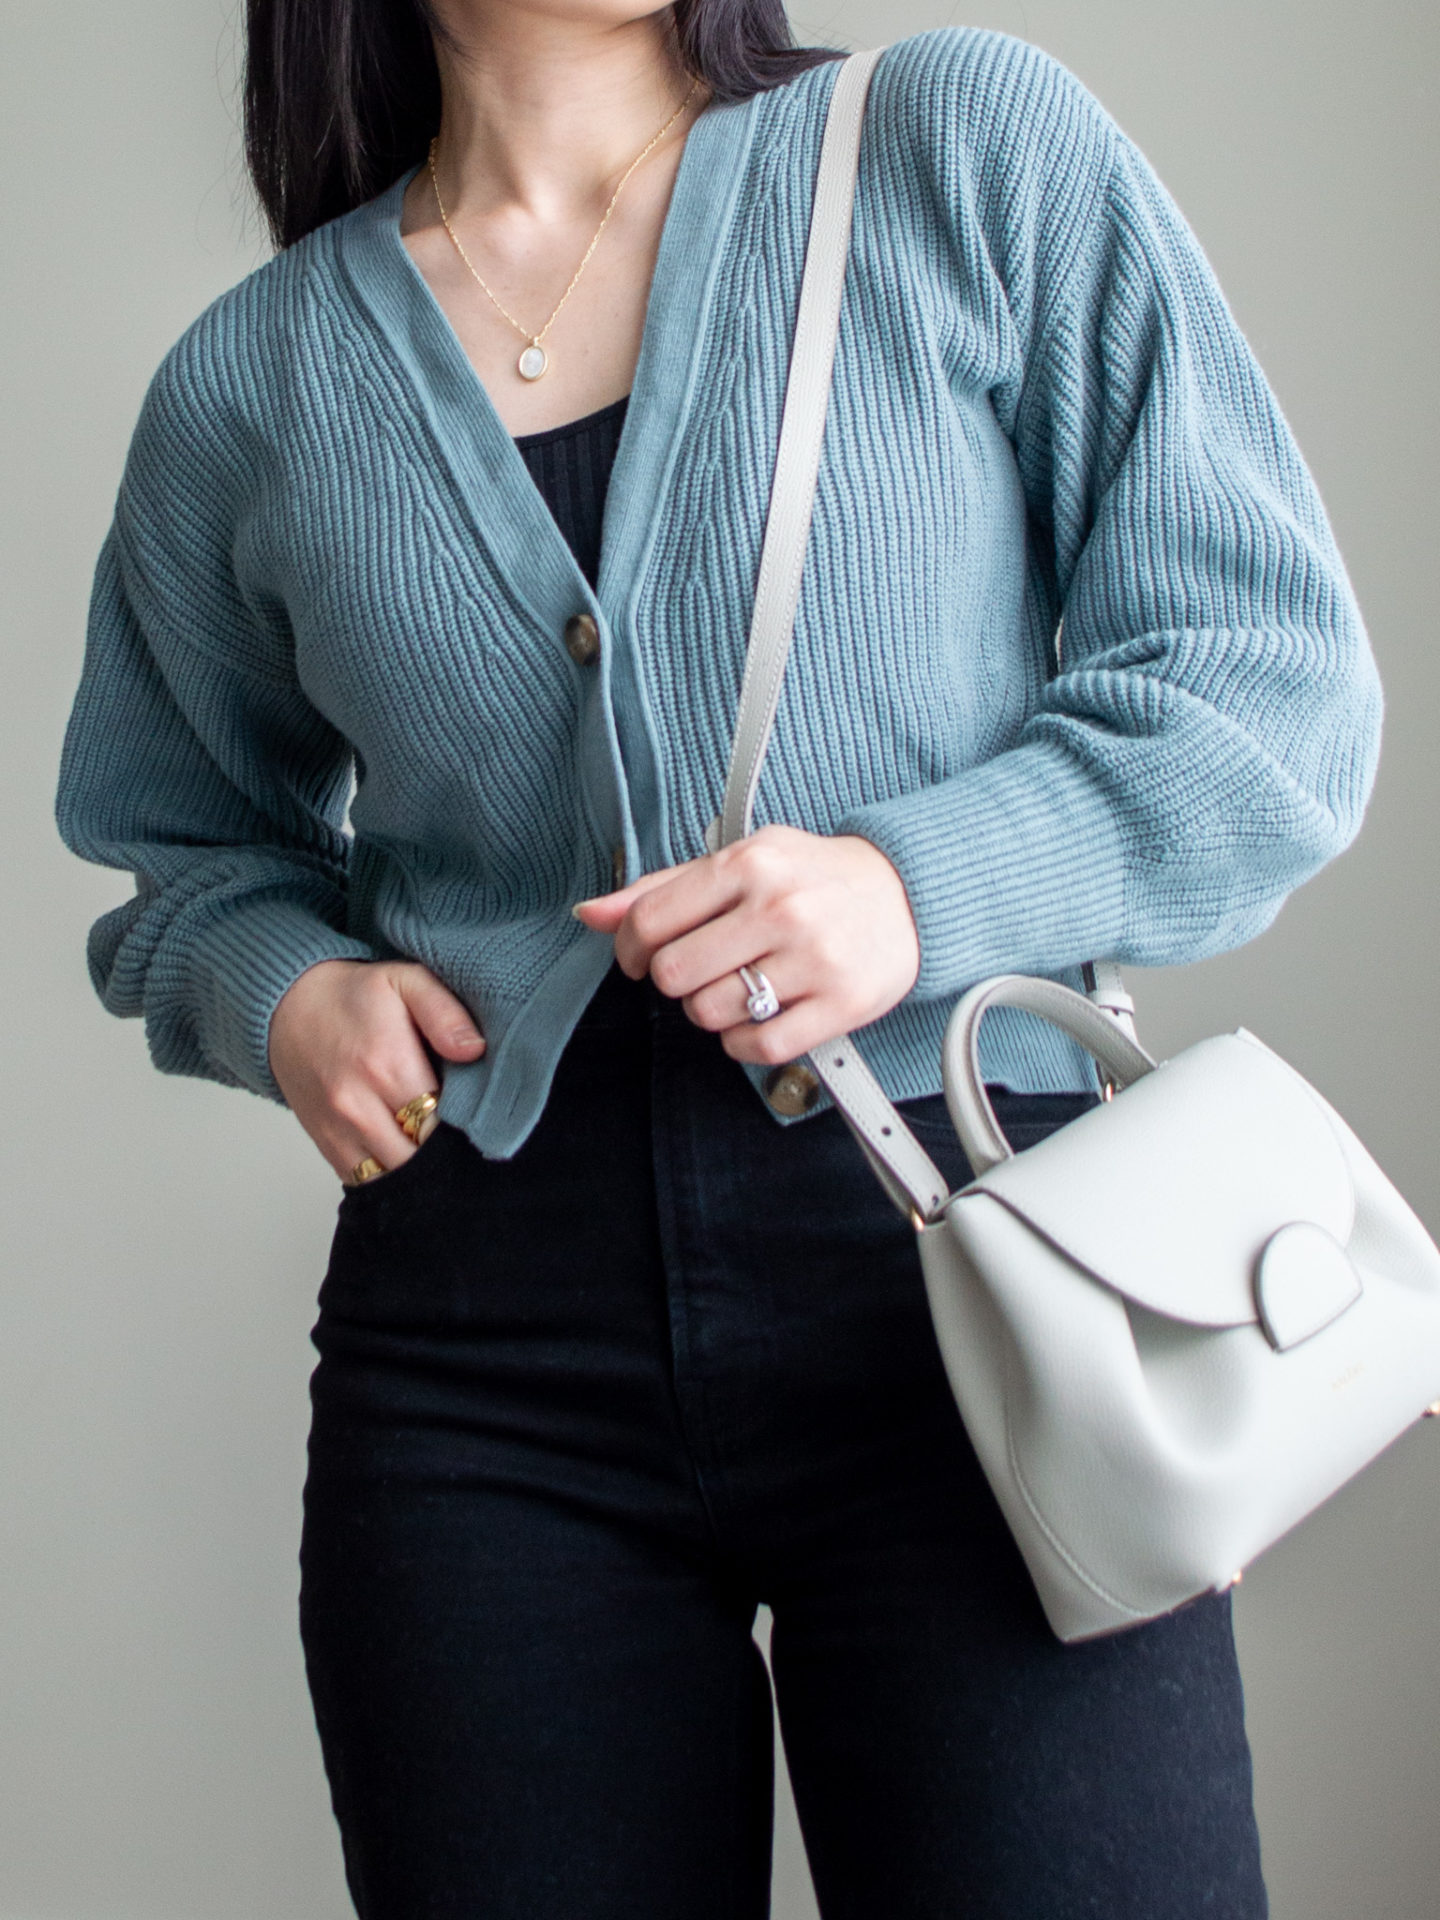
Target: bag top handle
(1096,1029)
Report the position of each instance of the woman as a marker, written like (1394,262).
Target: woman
(631,1342)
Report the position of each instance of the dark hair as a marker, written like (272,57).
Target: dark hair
(341,96)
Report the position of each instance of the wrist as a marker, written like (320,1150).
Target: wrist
(898,914)
(294,1007)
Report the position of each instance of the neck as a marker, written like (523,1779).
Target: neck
(542,114)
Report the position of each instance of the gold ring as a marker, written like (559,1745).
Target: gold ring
(364,1170)
(414,1114)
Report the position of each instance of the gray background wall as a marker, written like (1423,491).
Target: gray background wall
(163,1239)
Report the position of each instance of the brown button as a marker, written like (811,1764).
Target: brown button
(792,1090)
(617,867)
(582,639)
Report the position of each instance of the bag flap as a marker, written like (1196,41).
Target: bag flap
(1169,1192)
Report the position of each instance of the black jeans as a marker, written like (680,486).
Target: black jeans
(577,1413)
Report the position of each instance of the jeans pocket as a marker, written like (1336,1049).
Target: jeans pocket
(1023,1118)
(397,1178)
(927,1117)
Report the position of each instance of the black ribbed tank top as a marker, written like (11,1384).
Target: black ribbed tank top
(571,467)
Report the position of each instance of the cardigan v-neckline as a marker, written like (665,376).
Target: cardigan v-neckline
(508,515)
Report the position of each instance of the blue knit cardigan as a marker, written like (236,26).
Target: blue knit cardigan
(327,560)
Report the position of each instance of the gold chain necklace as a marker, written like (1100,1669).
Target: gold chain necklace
(534,360)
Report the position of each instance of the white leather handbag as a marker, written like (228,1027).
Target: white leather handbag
(1179,1323)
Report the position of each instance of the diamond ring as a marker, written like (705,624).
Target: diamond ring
(762,1000)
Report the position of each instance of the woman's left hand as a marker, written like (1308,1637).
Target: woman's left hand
(826,919)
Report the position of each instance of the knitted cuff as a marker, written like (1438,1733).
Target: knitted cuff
(239,967)
(1014,866)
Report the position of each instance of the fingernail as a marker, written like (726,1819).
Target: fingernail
(577,906)
(466,1037)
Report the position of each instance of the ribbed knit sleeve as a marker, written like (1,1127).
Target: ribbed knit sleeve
(193,760)
(327,554)
(1210,735)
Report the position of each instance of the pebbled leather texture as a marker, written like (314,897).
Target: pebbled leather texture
(1177,1325)
(1304,1281)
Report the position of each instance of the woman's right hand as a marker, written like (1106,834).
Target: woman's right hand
(347,1048)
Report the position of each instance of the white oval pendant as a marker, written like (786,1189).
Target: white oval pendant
(532,363)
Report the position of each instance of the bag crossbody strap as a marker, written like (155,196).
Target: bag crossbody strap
(802,431)
(904,1169)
